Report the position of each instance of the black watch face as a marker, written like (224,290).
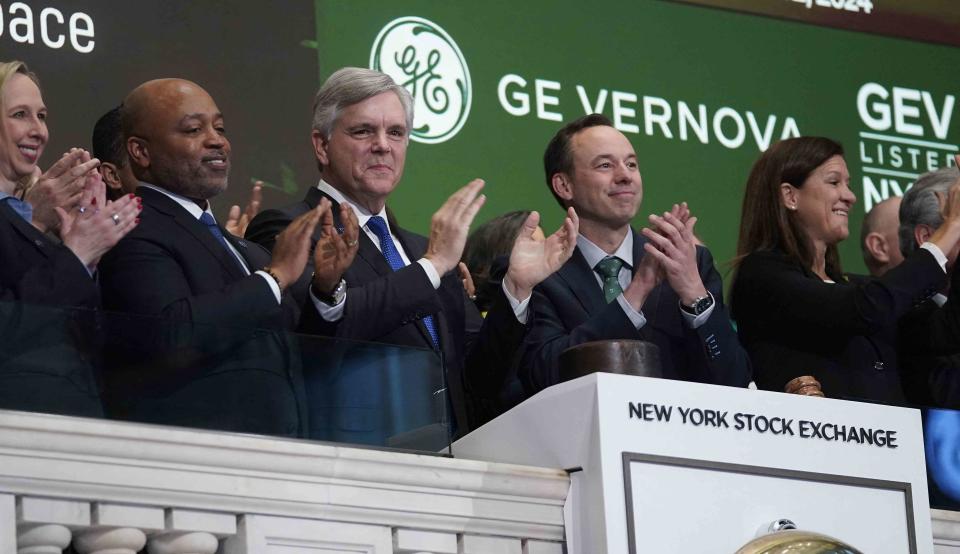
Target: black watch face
(702,305)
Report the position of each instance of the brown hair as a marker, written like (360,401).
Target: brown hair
(765,223)
(558,158)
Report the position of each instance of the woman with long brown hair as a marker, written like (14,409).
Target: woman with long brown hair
(796,311)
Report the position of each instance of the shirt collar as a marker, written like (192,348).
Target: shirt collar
(593,253)
(23,209)
(363,215)
(187,204)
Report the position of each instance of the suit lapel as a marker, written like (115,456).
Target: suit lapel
(243,248)
(578,275)
(30,233)
(415,247)
(184,219)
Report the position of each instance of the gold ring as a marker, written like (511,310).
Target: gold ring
(353,243)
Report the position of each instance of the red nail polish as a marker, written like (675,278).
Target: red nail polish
(132,195)
(137,220)
(140,207)
(94,201)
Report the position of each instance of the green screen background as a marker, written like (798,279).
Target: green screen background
(673,51)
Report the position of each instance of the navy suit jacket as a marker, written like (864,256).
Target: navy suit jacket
(212,352)
(387,306)
(47,338)
(569,309)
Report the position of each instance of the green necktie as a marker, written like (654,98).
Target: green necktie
(609,269)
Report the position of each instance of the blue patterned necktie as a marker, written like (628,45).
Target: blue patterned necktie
(379,228)
(214,229)
(609,269)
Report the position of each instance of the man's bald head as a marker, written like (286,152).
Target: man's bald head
(878,237)
(175,138)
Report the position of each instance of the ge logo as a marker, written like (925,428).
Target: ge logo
(422,57)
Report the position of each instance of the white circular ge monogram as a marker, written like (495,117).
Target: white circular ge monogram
(422,57)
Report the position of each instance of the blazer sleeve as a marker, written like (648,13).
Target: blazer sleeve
(37,271)
(769,281)
(491,354)
(61,280)
(714,344)
(939,333)
(378,307)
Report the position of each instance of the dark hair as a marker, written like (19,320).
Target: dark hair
(765,223)
(108,139)
(558,158)
(485,244)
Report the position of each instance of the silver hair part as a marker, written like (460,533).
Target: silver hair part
(920,205)
(349,86)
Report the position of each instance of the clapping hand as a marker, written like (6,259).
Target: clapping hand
(292,248)
(335,252)
(96,224)
(450,225)
(60,186)
(237,220)
(672,244)
(535,257)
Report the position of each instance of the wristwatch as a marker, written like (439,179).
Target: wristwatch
(331,298)
(699,305)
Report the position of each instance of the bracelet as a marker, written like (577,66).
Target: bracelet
(269,271)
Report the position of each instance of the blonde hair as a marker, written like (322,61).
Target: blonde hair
(8,70)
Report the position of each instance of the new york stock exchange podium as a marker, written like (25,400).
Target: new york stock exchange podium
(604,463)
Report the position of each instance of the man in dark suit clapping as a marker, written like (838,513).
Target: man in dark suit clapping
(656,285)
(403,288)
(200,363)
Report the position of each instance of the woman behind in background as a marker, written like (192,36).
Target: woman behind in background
(40,366)
(797,313)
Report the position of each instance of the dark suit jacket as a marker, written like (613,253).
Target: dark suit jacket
(929,349)
(206,358)
(844,334)
(569,309)
(47,338)
(387,306)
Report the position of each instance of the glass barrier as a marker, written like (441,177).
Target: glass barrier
(941,443)
(143,369)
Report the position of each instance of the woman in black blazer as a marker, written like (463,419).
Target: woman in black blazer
(796,311)
(54,227)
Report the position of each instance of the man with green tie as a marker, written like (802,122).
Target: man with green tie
(655,285)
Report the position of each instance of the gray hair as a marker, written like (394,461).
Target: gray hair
(920,205)
(349,86)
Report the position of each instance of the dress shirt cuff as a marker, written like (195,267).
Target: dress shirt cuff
(521,308)
(695,321)
(937,254)
(431,272)
(636,318)
(327,312)
(272,283)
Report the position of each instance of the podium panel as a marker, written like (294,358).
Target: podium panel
(668,466)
